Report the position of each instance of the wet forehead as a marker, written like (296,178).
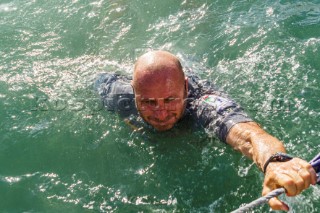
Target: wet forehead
(159,88)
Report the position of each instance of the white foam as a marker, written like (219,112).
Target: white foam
(8,7)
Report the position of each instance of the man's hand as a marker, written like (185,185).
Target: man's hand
(294,175)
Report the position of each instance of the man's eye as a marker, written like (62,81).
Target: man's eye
(168,100)
(152,102)
(149,102)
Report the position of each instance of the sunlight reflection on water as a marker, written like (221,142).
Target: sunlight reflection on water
(264,54)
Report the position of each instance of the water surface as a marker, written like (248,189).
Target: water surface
(61,152)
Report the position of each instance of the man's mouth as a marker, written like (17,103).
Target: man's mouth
(157,123)
(164,122)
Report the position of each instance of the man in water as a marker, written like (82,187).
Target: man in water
(163,96)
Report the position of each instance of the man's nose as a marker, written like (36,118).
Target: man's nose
(161,114)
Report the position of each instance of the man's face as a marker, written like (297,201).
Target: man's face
(160,101)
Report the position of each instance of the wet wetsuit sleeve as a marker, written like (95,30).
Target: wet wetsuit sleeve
(219,114)
(215,111)
(117,94)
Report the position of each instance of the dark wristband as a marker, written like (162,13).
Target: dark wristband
(278,157)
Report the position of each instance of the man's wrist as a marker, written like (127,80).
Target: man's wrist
(277,157)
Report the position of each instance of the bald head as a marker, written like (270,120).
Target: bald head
(156,65)
(160,89)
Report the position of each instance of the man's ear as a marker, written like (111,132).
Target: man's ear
(131,83)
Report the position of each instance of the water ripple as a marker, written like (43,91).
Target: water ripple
(7,7)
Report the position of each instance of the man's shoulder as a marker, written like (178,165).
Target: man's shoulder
(107,78)
(116,92)
(112,83)
(199,87)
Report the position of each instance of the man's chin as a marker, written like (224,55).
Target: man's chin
(163,128)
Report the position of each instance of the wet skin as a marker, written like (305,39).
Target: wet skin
(160,90)
(160,101)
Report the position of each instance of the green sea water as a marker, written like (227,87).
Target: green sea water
(60,151)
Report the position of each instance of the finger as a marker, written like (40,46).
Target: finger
(313,174)
(277,204)
(296,180)
(286,181)
(306,177)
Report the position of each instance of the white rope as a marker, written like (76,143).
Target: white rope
(260,201)
(315,163)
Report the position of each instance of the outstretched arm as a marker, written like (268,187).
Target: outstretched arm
(294,175)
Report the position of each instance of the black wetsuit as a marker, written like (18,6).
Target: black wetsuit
(211,108)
